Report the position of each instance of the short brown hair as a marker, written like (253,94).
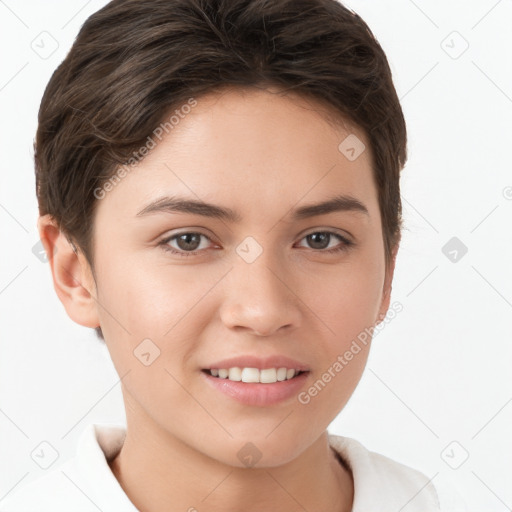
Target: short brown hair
(134,61)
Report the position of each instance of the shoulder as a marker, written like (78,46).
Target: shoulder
(381,483)
(83,483)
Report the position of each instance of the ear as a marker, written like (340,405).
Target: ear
(72,277)
(386,290)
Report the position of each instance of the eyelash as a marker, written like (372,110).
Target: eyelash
(347,244)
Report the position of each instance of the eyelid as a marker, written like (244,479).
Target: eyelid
(183,231)
(167,238)
(336,231)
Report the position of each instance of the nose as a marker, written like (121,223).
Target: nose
(259,298)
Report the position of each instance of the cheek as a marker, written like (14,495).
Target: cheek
(347,307)
(346,300)
(151,328)
(167,304)
(147,299)
(347,303)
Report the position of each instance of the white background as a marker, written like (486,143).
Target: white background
(438,373)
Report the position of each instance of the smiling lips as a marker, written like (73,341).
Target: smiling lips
(257,381)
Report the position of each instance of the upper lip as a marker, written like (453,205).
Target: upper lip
(248,361)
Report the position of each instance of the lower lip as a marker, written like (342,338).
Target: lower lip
(257,394)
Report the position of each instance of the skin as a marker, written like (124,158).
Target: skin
(262,154)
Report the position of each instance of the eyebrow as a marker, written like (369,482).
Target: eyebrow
(340,203)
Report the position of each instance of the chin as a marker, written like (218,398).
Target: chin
(258,451)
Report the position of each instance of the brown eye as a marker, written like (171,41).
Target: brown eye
(320,241)
(185,244)
(188,241)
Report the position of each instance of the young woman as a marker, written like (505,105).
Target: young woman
(218,183)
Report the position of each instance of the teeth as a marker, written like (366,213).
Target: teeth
(250,375)
(235,374)
(281,374)
(266,376)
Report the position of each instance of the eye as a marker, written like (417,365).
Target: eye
(320,240)
(188,243)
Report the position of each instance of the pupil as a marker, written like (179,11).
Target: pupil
(188,245)
(323,237)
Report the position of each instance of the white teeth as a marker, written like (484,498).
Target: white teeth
(266,376)
(235,374)
(250,375)
(281,374)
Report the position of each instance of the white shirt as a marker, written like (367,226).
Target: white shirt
(85,483)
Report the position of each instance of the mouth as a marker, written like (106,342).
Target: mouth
(257,387)
(255,375)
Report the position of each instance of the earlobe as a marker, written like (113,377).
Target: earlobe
(72,277)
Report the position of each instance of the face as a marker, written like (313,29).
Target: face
(273,285)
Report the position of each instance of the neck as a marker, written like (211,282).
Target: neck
(157,471)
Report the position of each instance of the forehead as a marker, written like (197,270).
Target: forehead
(247,148)
(280,112)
